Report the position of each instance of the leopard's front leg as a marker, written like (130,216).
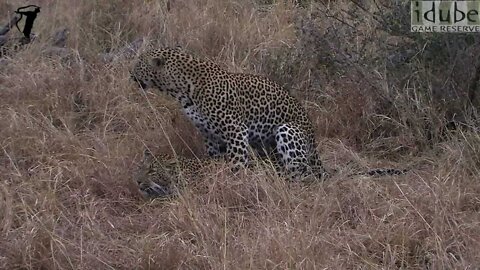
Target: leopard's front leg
(236,137)
(227,119)
(213,141)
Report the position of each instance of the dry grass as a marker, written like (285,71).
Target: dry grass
(71,137)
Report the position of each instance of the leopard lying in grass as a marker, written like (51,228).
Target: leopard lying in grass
(163,176)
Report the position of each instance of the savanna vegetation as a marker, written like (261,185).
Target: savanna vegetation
(73,127)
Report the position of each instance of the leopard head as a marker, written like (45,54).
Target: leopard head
(156,176)
(165,69)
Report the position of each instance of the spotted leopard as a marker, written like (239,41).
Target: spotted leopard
(163,176)
(234,110)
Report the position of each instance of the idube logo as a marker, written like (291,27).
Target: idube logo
(445,16)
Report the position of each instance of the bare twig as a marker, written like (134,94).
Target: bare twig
(3,40)
(368,12)
(9,26)
(473,87)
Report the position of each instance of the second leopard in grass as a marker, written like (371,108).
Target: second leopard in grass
(164,176)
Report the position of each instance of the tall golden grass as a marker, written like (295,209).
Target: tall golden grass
(71,136)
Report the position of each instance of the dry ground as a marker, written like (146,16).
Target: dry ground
(73,131)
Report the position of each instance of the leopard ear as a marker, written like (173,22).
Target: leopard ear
(158,61)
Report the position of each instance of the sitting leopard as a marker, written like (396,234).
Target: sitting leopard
(234,110)
(163,176)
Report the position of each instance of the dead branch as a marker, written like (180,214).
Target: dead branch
(473,87)
(3,40)
(9,26)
